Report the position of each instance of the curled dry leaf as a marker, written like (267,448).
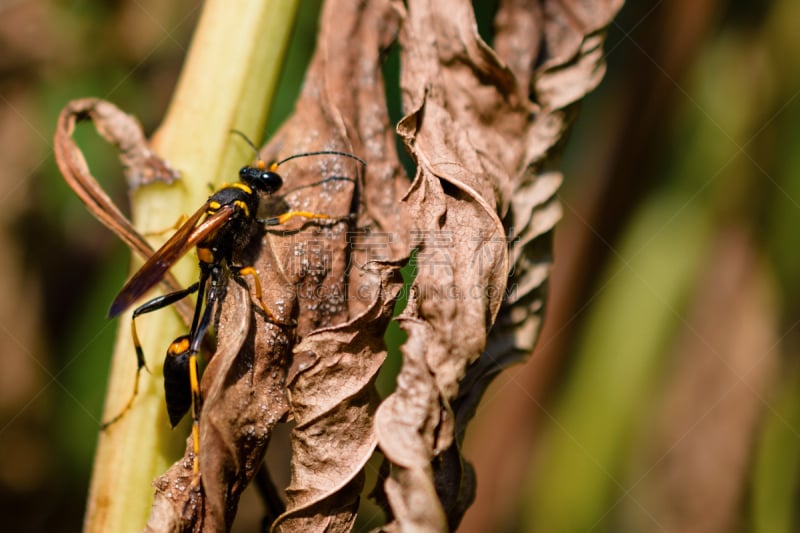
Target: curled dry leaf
(482,208)
(141,166)
(572,35)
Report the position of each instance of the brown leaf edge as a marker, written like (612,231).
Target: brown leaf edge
(482,201)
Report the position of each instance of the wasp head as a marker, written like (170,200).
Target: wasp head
(262,180)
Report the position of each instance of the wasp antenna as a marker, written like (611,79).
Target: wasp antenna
(259,162)
(323,152)
(246,139)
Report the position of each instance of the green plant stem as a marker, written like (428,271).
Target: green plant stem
(228,81)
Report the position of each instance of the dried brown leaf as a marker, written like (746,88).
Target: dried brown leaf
(332,394)
(481,208)
(333,398)
(462,100)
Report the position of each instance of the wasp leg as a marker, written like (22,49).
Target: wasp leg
(155,304)
(194,382)
(250,271)
(178,223)
(197,335)
(282,219)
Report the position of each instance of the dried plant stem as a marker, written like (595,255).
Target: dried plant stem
(228,82)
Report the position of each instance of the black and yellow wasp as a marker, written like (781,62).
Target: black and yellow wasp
(219,230)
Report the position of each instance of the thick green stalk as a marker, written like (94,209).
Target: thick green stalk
(228,82)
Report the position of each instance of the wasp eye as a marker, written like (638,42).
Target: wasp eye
(268,181)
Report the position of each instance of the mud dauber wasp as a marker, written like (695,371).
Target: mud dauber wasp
(220,229)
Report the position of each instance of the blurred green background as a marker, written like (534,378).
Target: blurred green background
(664,394)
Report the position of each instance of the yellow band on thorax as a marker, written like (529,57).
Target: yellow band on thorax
(242,186)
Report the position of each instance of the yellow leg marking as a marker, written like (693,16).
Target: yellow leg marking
(282,219)
(195,384)
(250,271)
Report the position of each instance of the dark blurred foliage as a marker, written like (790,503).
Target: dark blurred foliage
(663,394)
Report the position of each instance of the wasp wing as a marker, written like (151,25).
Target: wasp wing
(156,267)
